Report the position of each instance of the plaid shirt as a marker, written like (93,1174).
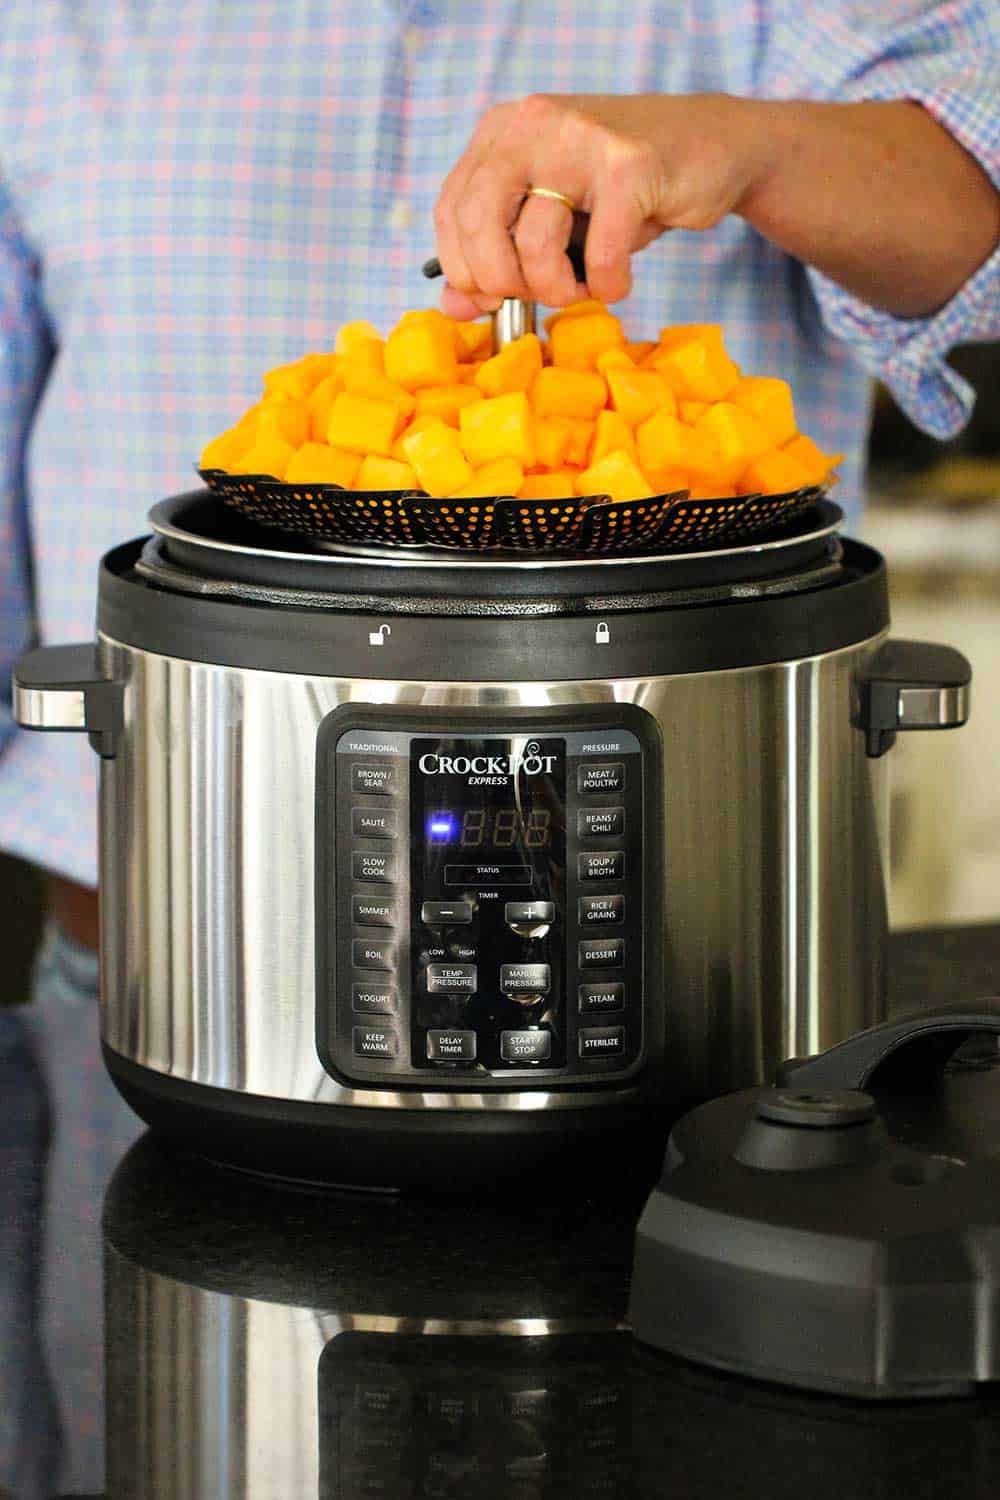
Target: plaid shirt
(193,191)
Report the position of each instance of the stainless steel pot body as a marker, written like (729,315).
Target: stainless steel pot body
(774,849)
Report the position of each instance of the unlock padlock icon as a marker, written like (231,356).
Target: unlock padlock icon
(377,637)
(602,635)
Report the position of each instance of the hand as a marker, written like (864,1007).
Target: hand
(638,165)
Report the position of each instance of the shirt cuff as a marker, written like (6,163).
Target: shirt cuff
(909,354)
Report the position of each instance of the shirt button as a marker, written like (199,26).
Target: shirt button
(400,217)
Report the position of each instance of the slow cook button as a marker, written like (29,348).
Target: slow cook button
(380,867)
(452,979)
(595,910)
(601,997)
(374,822)
(374,1041)
(525,1046)
(602,1041)
(451,1046)
(601,822)
(369,955)
(374,999)
(525,979)
(602,953)
(378,779)
(593,780)
(601,866)
(374,911)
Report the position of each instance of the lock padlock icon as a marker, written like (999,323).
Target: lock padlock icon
(377,637)
(602,635)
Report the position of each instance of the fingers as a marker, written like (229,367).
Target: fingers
(485,214)
(460,305)
(540,237)
(618,226)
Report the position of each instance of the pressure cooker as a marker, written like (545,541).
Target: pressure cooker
(420,866)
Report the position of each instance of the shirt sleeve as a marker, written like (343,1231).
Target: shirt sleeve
(25,355)
(944,55)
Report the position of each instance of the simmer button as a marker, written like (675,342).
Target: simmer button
(374,911)
(602,953)
(602,1041)
(374,822)
(601,822)
(596,779)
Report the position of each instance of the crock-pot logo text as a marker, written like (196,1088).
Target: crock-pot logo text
(489,770)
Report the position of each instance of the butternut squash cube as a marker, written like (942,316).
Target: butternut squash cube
(770,401)
(573,310)
(670,481)
(660,442)
(467,372)
(698,369)
(270,454)
(616,475)
(378,473)
(224,451)
(437,457)
(318,463)
(577,394)
(300,377)
(637,351)
(422,353)
(366,357)
(498,428)
(504,476)
(474,341)
(362,425)
(581,435)
(559,485)
(320,404)
(419,423)
(612,434)
(577,342)
(361,381)
(680,333)
(815,464)
(446,401)
(513,369)
(614,359)
(552,437)
(352,334)
(637,394)
(690,411)
(282,417)
(772,473)
(740,438)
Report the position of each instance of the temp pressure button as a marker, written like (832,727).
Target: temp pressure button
(452,979)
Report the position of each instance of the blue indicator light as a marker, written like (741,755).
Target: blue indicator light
(440,827)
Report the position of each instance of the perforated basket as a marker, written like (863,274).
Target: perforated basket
(591,524)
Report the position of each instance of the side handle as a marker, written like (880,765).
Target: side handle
(911,685)
(63,687)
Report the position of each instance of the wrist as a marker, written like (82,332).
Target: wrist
(763,133)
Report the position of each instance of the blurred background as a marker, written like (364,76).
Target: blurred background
(934,510)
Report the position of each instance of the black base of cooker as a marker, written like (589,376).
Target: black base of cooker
(435,1151)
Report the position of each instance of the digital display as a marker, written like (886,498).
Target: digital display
(485,827)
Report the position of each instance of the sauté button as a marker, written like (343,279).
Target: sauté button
(601,997)
(369,955)
(525,979)
(445,913)
(375,998)
(456,979)
(374,822)
(373,911)
(378,779)
(601,865)
(380,867)
(525,1046)
(600,822)
(608,776)
(602,953)
(374,1041)
(529,918)
(602,1041)
(451,1046)
(595,910)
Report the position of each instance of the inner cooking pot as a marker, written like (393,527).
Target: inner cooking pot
(414,862)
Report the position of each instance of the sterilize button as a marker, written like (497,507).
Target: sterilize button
(377,780)
(380,867)
(602,1041)
(602,953)
(529,918)
(374,822)
(374,911)
(374,1041)
(377,998)
(601,822)
(372,955)
(595,910)
(451,1046)
(520,980)
(608,776)
(601,866)
(445,913)
(456,979)
(525,1046)
(602,997)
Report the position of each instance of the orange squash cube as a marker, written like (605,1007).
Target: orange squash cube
(365,382)
(581,435)
(740,438)
(712,492)
(697,369)
(498,428)
(355,333)
(467,372)
(614,359)
(616,475)
(577,394)
(690,411)
(559,485)
(612,434)
(770,401)
(573,310)
(513,369)
(680,333)
(638,351)
(815,464)
(660,442)
(772,473)
(436,456)
(282,417)
(378,473)
(670,481)
(318,463)
(362,425)
(421,352)
(552,438)
(637,394)
(474,341)
(224,451)
(446,401)
(270,454)
(577,342)
(504,476)
(300,377)
(419,423)
(320,404)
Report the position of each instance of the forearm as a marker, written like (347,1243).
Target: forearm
(877,196)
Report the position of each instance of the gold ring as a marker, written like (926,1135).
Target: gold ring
(540,192)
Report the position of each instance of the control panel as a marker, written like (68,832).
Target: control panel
(480,896)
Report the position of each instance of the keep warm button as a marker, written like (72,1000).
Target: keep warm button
(374,1041)
(602,1041)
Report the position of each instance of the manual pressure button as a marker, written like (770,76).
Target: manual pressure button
(602,953)
(594,780)
(525,981)
(601,866)
(452,979)
(377,779)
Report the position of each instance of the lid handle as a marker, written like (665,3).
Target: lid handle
(911,685)
(63,687)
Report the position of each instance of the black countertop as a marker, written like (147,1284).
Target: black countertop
(250,1341)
